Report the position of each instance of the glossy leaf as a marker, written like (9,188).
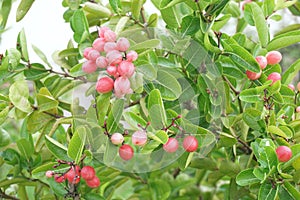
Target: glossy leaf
(19,94)
(246,177)
(23,8)
(291,72)
(156,109)
(160,136)
(284,40)
(267,192)
(57,149)
(115,115)
(77,144)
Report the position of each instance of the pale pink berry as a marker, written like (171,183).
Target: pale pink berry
(126,152)
(114,57)
(274,77)
(126,68)
(298,86)
(122,87)
(89,66)
(171,145)
(273,57)
(104,85)
(291,86)
(49,174)
(110,36)
(110,46)
(123,44)
(262,61)
(139,138)
(112,70)
(190,143)
(98,44)
(86,52)
(252,75)
(298,109)
(102,30)
(93,55)
(131,56)
(101,62)
(117,138)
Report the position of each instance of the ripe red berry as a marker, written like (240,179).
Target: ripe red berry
(117,138)
(190,143)
(262,61)
(284,153)
(274,77)
(49,174)
(59,178)
(171,145)
(126,152)
(273,57)
(94,182)
(139,138)
(112,70)
(104,85)
(252,75)
(73,175)
(87,172)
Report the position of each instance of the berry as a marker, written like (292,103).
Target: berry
(110,36)
(112,70)
(93,55)
(171,145)
(73,175)
(110,46)
(291,86)
(105,85)
(131,56)
(49,174)
(139,138)
(126,152)
(122,87)
(86,52)
(102,30)
(298,86)
(298,109)
(262,61)
(89,66)
(117,138)
(59,178)
(123,44)
(190,143)
(101,62)
(114,57)
(87,172)
(126,68)
(94,182)
(252,75)
(284,153)
(273,57)
(274,77)
(98,44)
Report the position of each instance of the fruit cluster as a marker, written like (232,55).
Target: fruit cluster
(74,174)
(111,54)
(271,58)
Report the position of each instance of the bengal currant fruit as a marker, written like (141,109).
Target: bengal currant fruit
(49,174)
(126,152)
(123,44)
(122,87)
(94,182)
(273,57)
(291,86)
(104,85)
(59,178)
(298,86)
(262,61)
(87,172)
(110,36)
(131,56)
(73,175)
(298,109)
(139,138)
(171,145)
(274,76)
(89,66)
(190,143)
(117,138)
(101,62)
(252,75)
(284,153)
(126,69)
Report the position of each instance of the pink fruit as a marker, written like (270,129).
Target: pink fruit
(86,52)
(284,153)
(171,145)
(87,172)
(126,68)
(112,70)
(291,86)
(110,46)
(122,87)
(101,62)
(131,56)
(262,61)
(126,152)
(110,36)
(114,57)
(49,174)
(105,85)
(94,182)
(190,143)
(59,178)
(117,138)
(89,66)
(98,44)
(273,57)
(298,86)
(73,175)
(123,44)
(252,75)
(102,30)
(298,109)
(93,55)
(139,138)
(274,77)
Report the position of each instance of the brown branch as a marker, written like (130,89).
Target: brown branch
(5,196)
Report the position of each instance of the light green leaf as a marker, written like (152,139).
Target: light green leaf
(41,55)
(80,26)
(57,149)
(19,94)
(159,189)
(160,136)
(115,5)
(136,7)
(291,190)
(37,121)
(23,8)
(14,57)
(45,100)
(115,115)
(291,72)
(121,24)
(156,109)
(23,44)
(77,143)
(149,44)
(253,119)
(284,40)
(4,13)
(97,10)
(25,147)
(246,177)
(267,192)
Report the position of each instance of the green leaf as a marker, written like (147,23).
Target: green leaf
(23,44)
(44,167)
(284,40)
(148,44)
(226,140)
(156,109)
(121,24)
(115,115)
(136,7)
(291,72)
(14,57)
(97,10)
(4,138)
(134,120)
(45,100)
(190,25)
(19,94)
(253,119)
(204,163)
(171,16)
(159,189)
(246,177)
(80,26)
(277,131)
(68,52)
(268,7)
(160,136)
(57,149)
(26,148)
(41,55)
(268,158)
(4,114)
(4,13)
(251,95)
(23,8)
(37,121)
(291,190)
(115,5)
(77,143)
(103,103)
(36,72)
(267,192)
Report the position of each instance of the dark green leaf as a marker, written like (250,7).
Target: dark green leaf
(25,147)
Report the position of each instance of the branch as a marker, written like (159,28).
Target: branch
(5,196)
